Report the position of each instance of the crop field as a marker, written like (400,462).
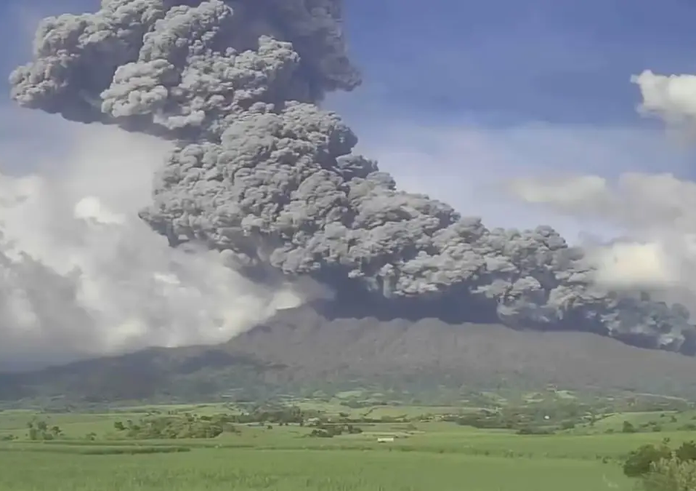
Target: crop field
(300,469)
(439,456)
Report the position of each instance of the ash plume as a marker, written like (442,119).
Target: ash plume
(264,176)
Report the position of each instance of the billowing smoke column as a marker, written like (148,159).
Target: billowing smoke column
(263,174)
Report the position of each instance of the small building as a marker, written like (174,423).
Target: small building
(385,439)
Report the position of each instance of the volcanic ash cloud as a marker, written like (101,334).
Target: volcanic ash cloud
(262,175)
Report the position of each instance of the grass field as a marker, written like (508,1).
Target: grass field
(437,456)
(290,470)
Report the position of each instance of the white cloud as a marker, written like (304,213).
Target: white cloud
(581,194)
(81,275)
(672,97)
(627,265)
(656,212)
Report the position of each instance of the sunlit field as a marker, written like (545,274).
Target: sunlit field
(289,470)
(438,456)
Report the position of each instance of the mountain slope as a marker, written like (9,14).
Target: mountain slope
(302,348)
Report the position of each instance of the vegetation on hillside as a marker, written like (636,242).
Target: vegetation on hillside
(174,427)
(661,468)
(264,364)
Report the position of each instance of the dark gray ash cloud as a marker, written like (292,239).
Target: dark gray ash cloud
(265,176)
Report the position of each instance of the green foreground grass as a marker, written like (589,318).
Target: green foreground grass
(290,470)
(428,456)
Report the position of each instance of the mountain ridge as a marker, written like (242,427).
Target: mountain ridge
(301,348)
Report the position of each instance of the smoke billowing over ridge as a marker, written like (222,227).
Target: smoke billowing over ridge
(266,179)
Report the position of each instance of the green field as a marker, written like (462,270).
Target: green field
(290,470)
(437,456)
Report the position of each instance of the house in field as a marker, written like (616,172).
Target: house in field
(386,439)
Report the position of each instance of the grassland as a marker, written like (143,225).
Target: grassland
(425,455)
(290,470)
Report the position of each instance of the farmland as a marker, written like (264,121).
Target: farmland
(393,448)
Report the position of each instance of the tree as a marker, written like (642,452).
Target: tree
(39,430)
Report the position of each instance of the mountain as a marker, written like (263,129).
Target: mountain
(303,349)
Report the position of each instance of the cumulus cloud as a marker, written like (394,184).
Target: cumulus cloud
(656,212)
(584,194)
(627,265)
(82,276)
(671,97)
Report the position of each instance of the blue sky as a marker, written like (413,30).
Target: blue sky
(508,61)
(459,96)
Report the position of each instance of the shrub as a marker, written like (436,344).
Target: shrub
(628,427)
(639,461)
(671,474)
(567,425)
(661,469)
(687,452)
(320,433)
(530,430)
